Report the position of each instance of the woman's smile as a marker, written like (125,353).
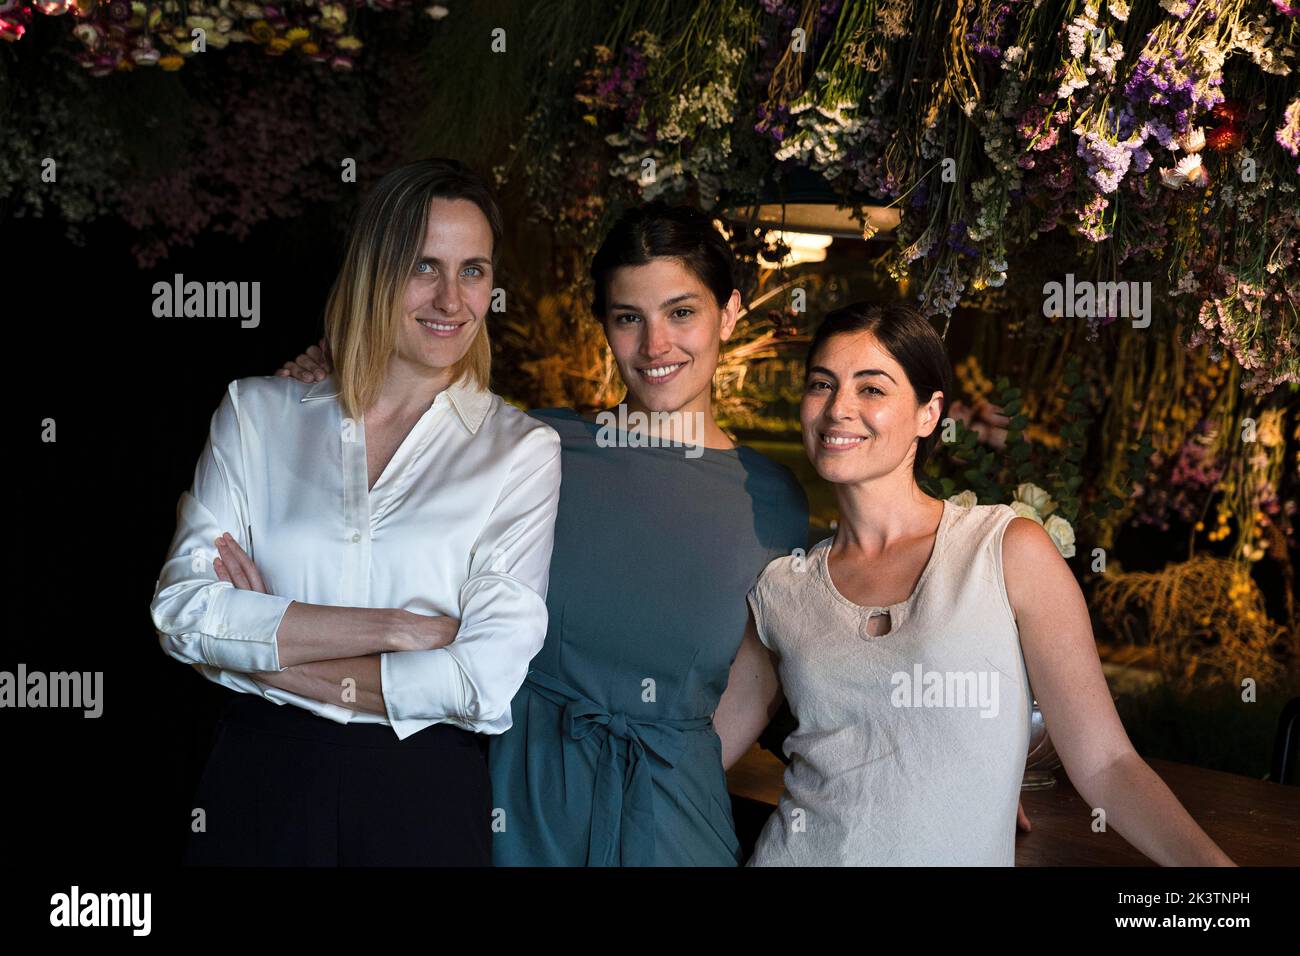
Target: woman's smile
(660,374)
(837,441)
(442,329)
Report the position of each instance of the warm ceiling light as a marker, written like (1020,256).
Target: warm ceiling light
(804,247)
(801,200)
(823,219)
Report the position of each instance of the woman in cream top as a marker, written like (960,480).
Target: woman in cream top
(911,744)
(907,643)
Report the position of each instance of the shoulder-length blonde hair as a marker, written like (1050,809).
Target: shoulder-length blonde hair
(365,305)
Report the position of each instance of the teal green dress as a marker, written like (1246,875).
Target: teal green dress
(612,759)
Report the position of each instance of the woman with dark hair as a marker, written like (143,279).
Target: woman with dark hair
(646,688)
(365,560)
(907,643)
(615,755)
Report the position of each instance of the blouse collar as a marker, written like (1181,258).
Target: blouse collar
(470,402)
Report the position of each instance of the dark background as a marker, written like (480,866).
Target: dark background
(132,396)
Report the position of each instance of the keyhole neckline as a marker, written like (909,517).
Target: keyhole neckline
(897,612)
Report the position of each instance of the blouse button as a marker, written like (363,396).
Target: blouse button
(356,536)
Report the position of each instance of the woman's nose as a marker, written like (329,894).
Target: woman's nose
(841,405)
(656,341)
(447,298)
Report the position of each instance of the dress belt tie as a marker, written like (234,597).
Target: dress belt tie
(622,812)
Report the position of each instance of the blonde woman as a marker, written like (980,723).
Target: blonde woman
(373,552)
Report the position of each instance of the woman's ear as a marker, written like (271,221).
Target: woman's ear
(930,413)
(730,313)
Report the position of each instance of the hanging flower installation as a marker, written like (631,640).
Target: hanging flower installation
(1153,143)
(1157,134)
(244,143)
(120,35)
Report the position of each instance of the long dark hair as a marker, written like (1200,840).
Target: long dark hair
(906,335)
(657,230)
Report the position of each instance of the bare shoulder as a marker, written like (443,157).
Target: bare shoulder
(1025,540)
(1032,568)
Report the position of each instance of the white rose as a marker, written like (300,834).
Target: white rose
(1062,535)
(1036,498)
(965,499)
(1025,511)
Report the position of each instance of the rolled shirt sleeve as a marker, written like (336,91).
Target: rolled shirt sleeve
(200,619)
(471,682)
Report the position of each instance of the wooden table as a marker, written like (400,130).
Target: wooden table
(1257,823)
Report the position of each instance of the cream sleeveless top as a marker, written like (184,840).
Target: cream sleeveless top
(911,745)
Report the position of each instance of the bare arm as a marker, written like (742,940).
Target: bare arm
(752,698)
(325,681)
(1061,657)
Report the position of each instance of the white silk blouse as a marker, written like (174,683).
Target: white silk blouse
(461,523)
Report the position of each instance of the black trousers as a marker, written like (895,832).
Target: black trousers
(284,787)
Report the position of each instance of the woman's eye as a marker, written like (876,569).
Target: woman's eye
(473,272)
(420,267)
(872,390)
(816,386)
(683,313)
(626,317)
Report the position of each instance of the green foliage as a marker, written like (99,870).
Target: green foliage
(968,463)
(1067,476)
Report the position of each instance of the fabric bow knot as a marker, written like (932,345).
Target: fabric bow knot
(622,813)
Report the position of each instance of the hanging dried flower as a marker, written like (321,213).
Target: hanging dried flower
(1187,171)
(145,55)
(261,32)
(1193,140)
(1229,111)
(88,34)
(1226,139)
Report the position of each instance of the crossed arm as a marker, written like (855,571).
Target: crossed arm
(415,669)
(322,648)
(244,629)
